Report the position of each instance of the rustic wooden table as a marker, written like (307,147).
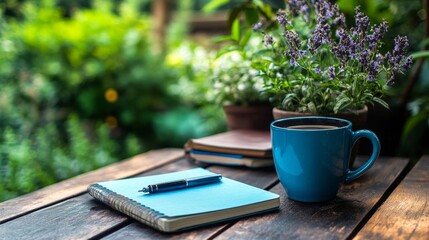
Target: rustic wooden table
(390,201)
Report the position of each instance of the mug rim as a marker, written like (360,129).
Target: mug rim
(346,123)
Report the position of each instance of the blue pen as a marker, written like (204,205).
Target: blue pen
(183,183)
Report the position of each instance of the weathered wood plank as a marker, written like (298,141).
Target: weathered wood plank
(51,194)
(405,214)
(336,219)
(59,221)
(331,220)
(261,178)
(80,217)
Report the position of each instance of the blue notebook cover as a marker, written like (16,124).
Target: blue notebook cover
(229,195)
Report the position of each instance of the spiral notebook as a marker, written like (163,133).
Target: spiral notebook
(185,208)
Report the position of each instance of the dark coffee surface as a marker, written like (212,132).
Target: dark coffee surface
(312,127)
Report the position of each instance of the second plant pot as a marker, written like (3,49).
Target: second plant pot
(248,117)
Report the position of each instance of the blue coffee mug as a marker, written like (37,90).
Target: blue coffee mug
(312,154)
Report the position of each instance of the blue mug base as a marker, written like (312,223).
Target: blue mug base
(311,199)
(302,193)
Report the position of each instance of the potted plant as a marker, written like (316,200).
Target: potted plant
(237,87)
(318,66)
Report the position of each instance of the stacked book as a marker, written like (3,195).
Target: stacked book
(251,148)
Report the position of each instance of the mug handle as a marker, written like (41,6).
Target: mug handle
(353,174)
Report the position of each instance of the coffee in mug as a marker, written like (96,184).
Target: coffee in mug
(312,127)
(312,154)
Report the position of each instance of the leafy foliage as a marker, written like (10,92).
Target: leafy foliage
(97,64)
(29,161)
(194,89)
(77,93)
(234,80)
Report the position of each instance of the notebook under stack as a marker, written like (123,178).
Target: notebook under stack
(251,148)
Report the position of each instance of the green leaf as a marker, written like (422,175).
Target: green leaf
(420,54)
(214,4)
(341,104)
(245,39)
(235,30)
(222,38)
(227,49)
(261,64)
(414,121)
(312,107)
(262,52)
(252,15)
(233,16)
(264,9)
(381,102)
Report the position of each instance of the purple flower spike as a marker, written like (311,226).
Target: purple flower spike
(258,26)
(268,40)
(362,21)
(401,45)
(331,72)
(317,70)
(377,34)
(299,7)
(407,63)
(397,58)
(282,19)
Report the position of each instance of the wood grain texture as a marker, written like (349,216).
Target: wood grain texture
(76,218)
(335,219)
(261,178)
(80,217)
(405,214)
(71,187)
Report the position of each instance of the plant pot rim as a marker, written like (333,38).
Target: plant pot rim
(247,106)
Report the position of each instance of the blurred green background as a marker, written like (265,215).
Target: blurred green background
(87,83)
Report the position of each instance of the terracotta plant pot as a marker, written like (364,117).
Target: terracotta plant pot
(358,120)
(248,117)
